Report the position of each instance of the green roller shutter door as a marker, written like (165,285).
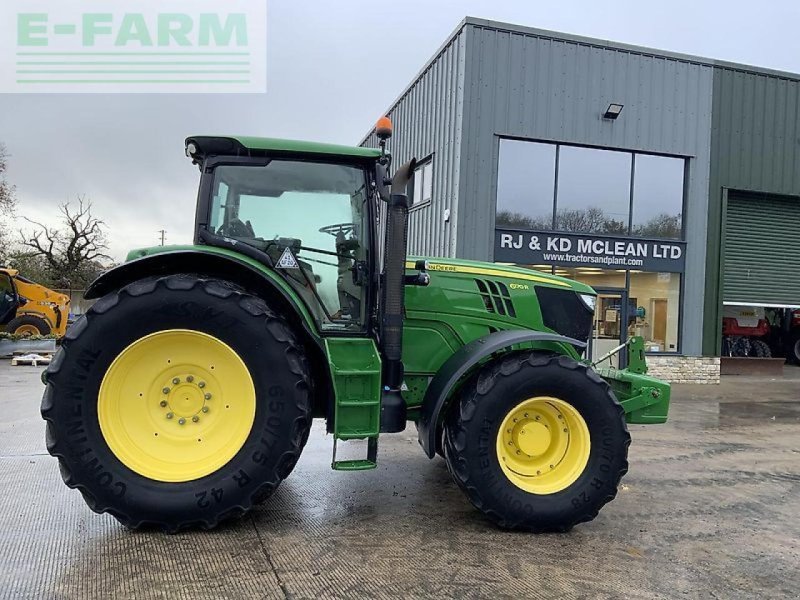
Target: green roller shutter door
(761,263)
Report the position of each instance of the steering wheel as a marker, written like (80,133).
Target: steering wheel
(339,228)
(238,228)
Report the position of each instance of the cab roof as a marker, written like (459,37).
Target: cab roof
(247,146)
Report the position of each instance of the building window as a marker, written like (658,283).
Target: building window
(657,298)
(422,189)
(575,189)
(658,197)
(593,191)
(526,182)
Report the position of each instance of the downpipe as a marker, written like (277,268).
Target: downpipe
(393,408)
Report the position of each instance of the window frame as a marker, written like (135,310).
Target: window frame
(631,153)
(687,165)
(421,167)
(203,217)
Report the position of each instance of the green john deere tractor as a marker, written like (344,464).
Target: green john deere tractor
(186,394)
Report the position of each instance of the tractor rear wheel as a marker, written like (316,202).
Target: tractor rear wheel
(177,402)
(28,325)
(537,442)
(793,351)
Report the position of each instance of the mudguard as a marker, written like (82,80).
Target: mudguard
(459,364)
(206,260)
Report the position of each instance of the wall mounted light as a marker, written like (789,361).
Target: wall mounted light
(613,111)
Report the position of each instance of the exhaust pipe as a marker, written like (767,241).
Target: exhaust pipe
(393,408)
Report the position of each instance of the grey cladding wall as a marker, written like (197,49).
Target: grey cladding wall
(526,84)
(427,121)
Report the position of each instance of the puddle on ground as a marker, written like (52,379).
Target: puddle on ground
(737,414)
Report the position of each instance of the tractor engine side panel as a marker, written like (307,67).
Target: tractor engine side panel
(457,308)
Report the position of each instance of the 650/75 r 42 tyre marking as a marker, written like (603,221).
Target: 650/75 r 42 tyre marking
(473,425)
(262,338)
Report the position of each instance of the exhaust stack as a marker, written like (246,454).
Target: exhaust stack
(393,408)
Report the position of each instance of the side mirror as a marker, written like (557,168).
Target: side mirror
(382,180)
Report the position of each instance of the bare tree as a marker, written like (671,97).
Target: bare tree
(506,218)
(7,199)
(73,251)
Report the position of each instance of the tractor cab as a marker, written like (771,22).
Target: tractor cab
(9,298)
(308,213)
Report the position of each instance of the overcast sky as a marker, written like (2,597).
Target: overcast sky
(333,67)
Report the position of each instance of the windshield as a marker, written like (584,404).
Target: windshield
(309,218)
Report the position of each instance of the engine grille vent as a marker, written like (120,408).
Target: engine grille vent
(495,297)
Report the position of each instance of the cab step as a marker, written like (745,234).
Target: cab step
(357,464)
(355,367)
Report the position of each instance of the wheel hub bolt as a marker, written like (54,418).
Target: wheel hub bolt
(165,390)
(163,403)
(190,379)
(565,430)
(202,384)
(195,419)
(170,415)
(207,396)
(176,381)
(205,409)
(538,417)
(181,421)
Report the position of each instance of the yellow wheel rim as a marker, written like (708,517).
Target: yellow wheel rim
(176,405)
(543,445)
(27,330)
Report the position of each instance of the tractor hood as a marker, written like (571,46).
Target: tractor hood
(472,267)
(485,297)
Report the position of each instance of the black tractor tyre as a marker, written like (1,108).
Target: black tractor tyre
(760,349)
(473,423)
(793,348)
(743,347)
(41,325)
(266,345)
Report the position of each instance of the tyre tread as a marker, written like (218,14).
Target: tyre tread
(275,324)
(456,423)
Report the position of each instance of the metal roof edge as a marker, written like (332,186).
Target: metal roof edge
(579,39)
(645,50)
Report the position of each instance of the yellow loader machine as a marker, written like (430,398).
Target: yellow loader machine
(186,394)
(28,308)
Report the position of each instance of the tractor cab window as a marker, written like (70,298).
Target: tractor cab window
(309,218)
(8,299)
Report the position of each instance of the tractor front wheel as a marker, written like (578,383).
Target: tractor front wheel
(177,402)
(537,442)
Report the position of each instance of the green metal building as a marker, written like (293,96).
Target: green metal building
(670,183)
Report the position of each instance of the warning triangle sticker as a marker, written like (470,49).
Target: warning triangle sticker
(287,260)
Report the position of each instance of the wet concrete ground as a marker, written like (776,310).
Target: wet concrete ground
(710,508)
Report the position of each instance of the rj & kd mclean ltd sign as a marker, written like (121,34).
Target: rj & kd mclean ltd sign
(587,250)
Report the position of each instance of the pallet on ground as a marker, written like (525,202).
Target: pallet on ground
(31,360)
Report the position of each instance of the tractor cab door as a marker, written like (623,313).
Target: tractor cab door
(312,220)
(9,299)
